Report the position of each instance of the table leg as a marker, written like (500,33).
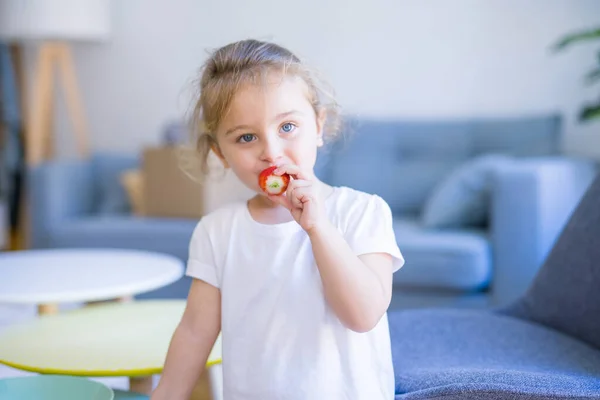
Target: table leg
(141,384)
(216,381)
(47,309)
(124,299)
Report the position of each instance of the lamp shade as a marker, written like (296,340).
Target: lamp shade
(70,20)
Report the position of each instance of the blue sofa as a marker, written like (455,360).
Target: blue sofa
(523,199)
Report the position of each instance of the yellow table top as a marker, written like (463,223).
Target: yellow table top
(113,339)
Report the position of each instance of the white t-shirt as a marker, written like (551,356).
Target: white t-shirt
(280,338)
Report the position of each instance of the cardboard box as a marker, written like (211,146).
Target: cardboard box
(168,191)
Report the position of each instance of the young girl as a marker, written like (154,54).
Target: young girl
(298,283)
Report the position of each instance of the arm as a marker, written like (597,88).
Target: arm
(192,343)
(532,200)
(358,289)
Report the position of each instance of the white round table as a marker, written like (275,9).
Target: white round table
(49,277)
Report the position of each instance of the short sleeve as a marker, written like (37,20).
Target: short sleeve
(370,230)
(201,261)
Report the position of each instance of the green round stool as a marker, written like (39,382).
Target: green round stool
(53,387)
(125,395)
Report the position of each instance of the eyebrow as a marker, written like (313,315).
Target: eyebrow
(278,116)
(237,128)
(288,113)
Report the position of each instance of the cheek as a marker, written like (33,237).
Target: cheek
(241,162)
(306,151)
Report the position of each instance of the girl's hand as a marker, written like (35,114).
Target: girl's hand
(301,198)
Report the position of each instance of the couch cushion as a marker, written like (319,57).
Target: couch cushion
(403,160)
(460,353)
(107,169)
(168,235)
(463,198)
(448,259)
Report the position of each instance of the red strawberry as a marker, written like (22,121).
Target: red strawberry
(273,184)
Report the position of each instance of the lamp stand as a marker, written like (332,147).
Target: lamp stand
(37,110)
(19,232)
(39,140)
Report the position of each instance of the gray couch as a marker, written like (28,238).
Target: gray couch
(473,230)
(543,346)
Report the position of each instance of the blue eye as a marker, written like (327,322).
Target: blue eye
(288,127)
(246,138)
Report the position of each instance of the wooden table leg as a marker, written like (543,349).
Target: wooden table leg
(47,309)
(124,299)
(141,384)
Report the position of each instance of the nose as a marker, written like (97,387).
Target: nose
(272,150)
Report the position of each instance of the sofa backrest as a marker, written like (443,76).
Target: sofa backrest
(107,170)
(402,160)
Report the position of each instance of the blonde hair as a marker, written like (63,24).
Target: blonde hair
(230,67)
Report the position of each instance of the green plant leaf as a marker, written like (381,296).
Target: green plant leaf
(577,37)
(590,112)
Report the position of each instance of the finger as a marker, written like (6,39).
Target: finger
(293,187)
(303,195)
(293,170)
(296,183)
(295,200)
(282,200)
(305,198)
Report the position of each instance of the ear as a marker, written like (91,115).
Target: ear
(215,148)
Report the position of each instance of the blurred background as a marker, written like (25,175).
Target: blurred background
(403,59)
(465,105)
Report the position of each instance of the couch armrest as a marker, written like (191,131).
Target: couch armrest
(531,202)
(57,191)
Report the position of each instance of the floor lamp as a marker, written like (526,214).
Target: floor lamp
(50,27)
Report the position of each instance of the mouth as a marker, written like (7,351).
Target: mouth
(273,184)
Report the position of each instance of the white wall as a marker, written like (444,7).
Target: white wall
(410,58)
